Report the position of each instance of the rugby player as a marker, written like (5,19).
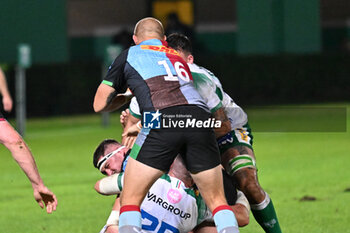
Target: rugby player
(172,203)
(21,153)
(235,145)
(162,83)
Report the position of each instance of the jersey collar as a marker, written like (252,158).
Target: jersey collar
(154,42)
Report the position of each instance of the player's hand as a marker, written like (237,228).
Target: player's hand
(7,103)
(124,117)
(45,197)
(129,141)
(133,130)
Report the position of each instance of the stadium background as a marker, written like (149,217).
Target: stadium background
(286,51)
(273,52)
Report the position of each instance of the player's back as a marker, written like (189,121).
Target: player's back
(210,88)
(171,207)
(159,77)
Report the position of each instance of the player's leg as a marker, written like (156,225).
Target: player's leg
(151,155)
(203,161)
(209,183)
(210,189)
(239,161)
(138,179)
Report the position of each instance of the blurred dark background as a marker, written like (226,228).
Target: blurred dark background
(264,52)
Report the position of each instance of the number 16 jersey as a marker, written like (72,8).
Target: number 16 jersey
(156,75)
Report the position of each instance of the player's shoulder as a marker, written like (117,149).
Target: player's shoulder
(194,68)
(202,76)
(197,69)
(152,46)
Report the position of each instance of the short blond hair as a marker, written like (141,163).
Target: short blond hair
(148,28)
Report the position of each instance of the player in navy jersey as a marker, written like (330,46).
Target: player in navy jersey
(162,83)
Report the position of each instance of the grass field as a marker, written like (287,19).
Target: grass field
(291,165)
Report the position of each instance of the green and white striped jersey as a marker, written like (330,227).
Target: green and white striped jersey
(210,88)
(171,207)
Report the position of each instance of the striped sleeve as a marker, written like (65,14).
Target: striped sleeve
(134,108)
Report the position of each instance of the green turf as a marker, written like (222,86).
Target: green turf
(291,166)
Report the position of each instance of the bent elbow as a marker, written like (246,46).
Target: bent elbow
(97,187)
(244,222)
(243,219)
(96,107)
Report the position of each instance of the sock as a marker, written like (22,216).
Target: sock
(130,219)
(265,214)
(225,220)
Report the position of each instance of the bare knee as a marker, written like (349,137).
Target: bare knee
(249,185)
(211,187)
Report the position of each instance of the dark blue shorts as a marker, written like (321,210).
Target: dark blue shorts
(159,147)
(2,118)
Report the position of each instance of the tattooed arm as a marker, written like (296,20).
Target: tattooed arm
(225,123)
(107,99)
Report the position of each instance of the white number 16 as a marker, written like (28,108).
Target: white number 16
(180,71)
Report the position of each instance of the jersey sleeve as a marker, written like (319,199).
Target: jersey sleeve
(207,89)
(204,213)
(115,76)
(134,108)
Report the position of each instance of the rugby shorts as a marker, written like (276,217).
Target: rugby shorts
(241,136)
(2,118)
(159,147)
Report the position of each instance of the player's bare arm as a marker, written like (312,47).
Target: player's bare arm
(22,155)
(108,185)
(113,219)
(107,99)
(6,97)
(102,96)
(242,214)
(225,123)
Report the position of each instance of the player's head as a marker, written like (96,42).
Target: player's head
(182,45)
(148,28)
(109,156)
